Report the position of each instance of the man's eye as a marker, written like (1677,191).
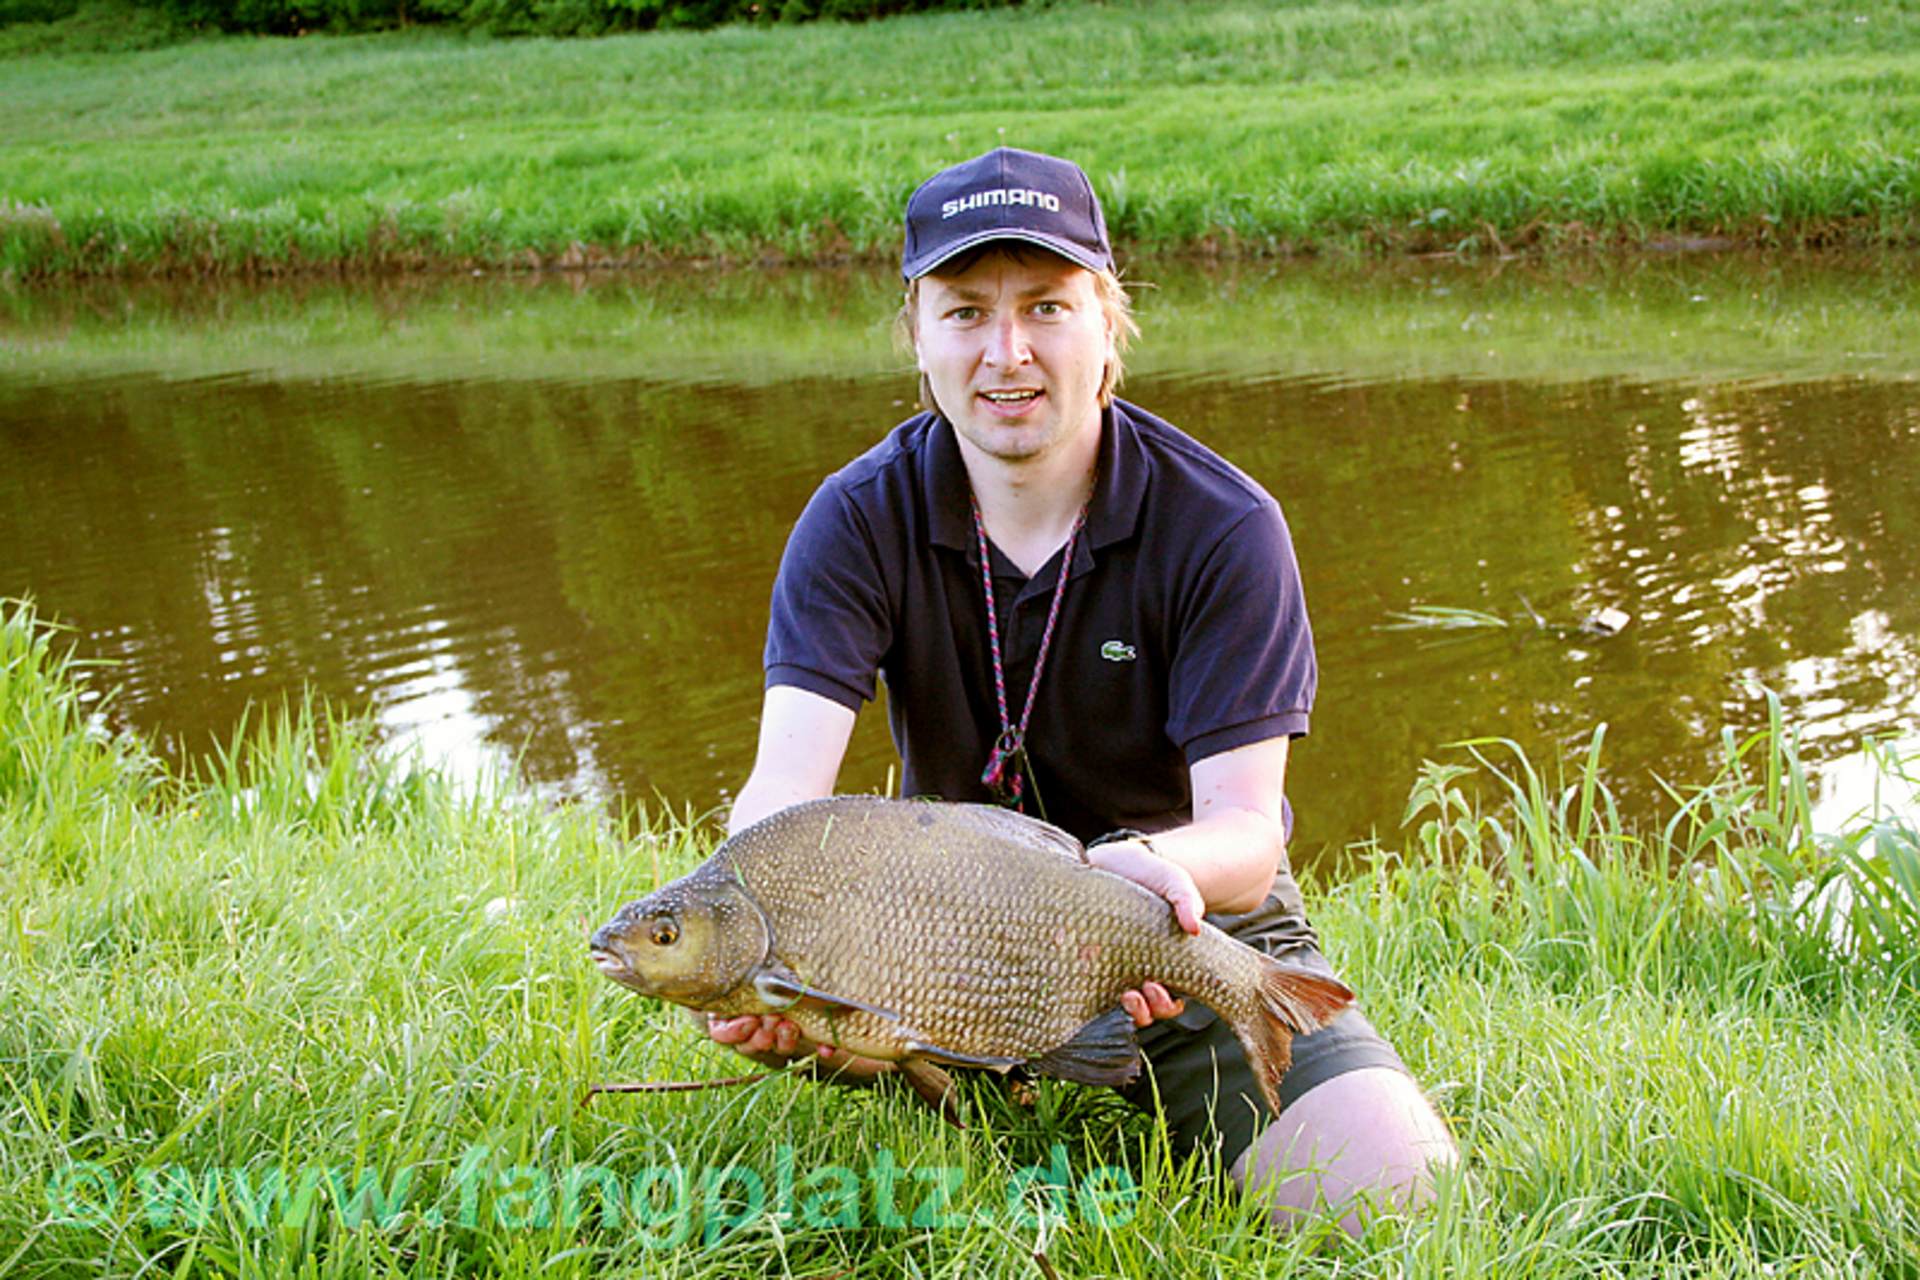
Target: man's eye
(1048,309)
(964,313)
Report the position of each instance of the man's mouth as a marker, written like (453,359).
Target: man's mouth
(1009,397)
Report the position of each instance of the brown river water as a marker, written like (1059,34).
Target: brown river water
(536,519)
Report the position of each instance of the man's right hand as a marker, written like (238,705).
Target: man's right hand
(765,1035)
(773,1041)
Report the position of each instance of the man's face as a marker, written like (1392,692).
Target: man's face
(1015,349)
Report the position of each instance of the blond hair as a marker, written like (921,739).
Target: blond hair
(1115,305)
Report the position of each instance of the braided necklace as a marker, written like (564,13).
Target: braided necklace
(1008,765)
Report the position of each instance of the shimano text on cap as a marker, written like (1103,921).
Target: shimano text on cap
(1006,195)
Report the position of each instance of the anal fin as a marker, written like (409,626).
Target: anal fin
(1102,1052)
(934,1087)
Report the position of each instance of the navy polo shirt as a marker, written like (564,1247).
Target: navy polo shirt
(1183,632)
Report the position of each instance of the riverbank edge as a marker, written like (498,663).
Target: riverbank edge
(203,256)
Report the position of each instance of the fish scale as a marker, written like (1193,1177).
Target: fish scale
(956,933)
(958,985)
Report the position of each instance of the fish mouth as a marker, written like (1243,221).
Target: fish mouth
(613,965)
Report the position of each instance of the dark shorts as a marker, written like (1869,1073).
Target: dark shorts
(1200,1081)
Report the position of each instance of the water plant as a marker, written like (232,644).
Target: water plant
(1435,617)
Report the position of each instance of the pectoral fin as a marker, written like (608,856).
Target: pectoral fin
(1102,1052)
(783,989)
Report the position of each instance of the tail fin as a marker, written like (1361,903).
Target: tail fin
(1292,1002)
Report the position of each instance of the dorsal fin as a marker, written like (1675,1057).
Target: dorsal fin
(1005,824)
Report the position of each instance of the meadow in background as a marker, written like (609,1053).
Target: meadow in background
(1218,127)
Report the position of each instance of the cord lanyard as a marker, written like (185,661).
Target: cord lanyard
(1008,765)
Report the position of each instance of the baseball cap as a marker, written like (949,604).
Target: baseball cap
(1006,194)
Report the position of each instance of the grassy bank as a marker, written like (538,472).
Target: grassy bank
(1224,127)
(315,965)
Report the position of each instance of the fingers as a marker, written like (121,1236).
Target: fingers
(1184,894)
(1188,909)
(751,1034)
(1161,1003)
(730,1030)
(786,1037)
(1150,1004)
(1140,864)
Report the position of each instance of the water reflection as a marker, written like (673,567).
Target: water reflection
(550,534)
(1879,783)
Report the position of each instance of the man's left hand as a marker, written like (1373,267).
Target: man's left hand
(1150,1004)
(1140,864)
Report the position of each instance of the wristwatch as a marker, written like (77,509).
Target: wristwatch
(1125,833)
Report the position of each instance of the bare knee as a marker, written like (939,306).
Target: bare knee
(1363,1141)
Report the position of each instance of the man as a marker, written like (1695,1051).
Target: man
(1081,611)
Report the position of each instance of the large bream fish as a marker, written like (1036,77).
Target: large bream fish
(922,933)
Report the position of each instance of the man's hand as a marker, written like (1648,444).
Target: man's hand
(773,1041)
(768,1035)
(1150,1004)
(1140,864)
(1144,867)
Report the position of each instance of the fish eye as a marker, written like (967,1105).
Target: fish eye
(664,932)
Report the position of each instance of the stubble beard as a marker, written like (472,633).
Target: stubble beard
(1019,443)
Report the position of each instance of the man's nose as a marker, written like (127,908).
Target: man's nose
(1007,343)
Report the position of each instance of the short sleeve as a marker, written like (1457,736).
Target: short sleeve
(1243,669)
(829,625)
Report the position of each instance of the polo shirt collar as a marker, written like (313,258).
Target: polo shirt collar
(948,499)
(1118,495)
(1120,491)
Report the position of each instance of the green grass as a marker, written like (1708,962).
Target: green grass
(315,962)
(1222,127)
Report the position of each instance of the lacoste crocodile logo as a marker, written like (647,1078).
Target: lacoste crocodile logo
(1115,651)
